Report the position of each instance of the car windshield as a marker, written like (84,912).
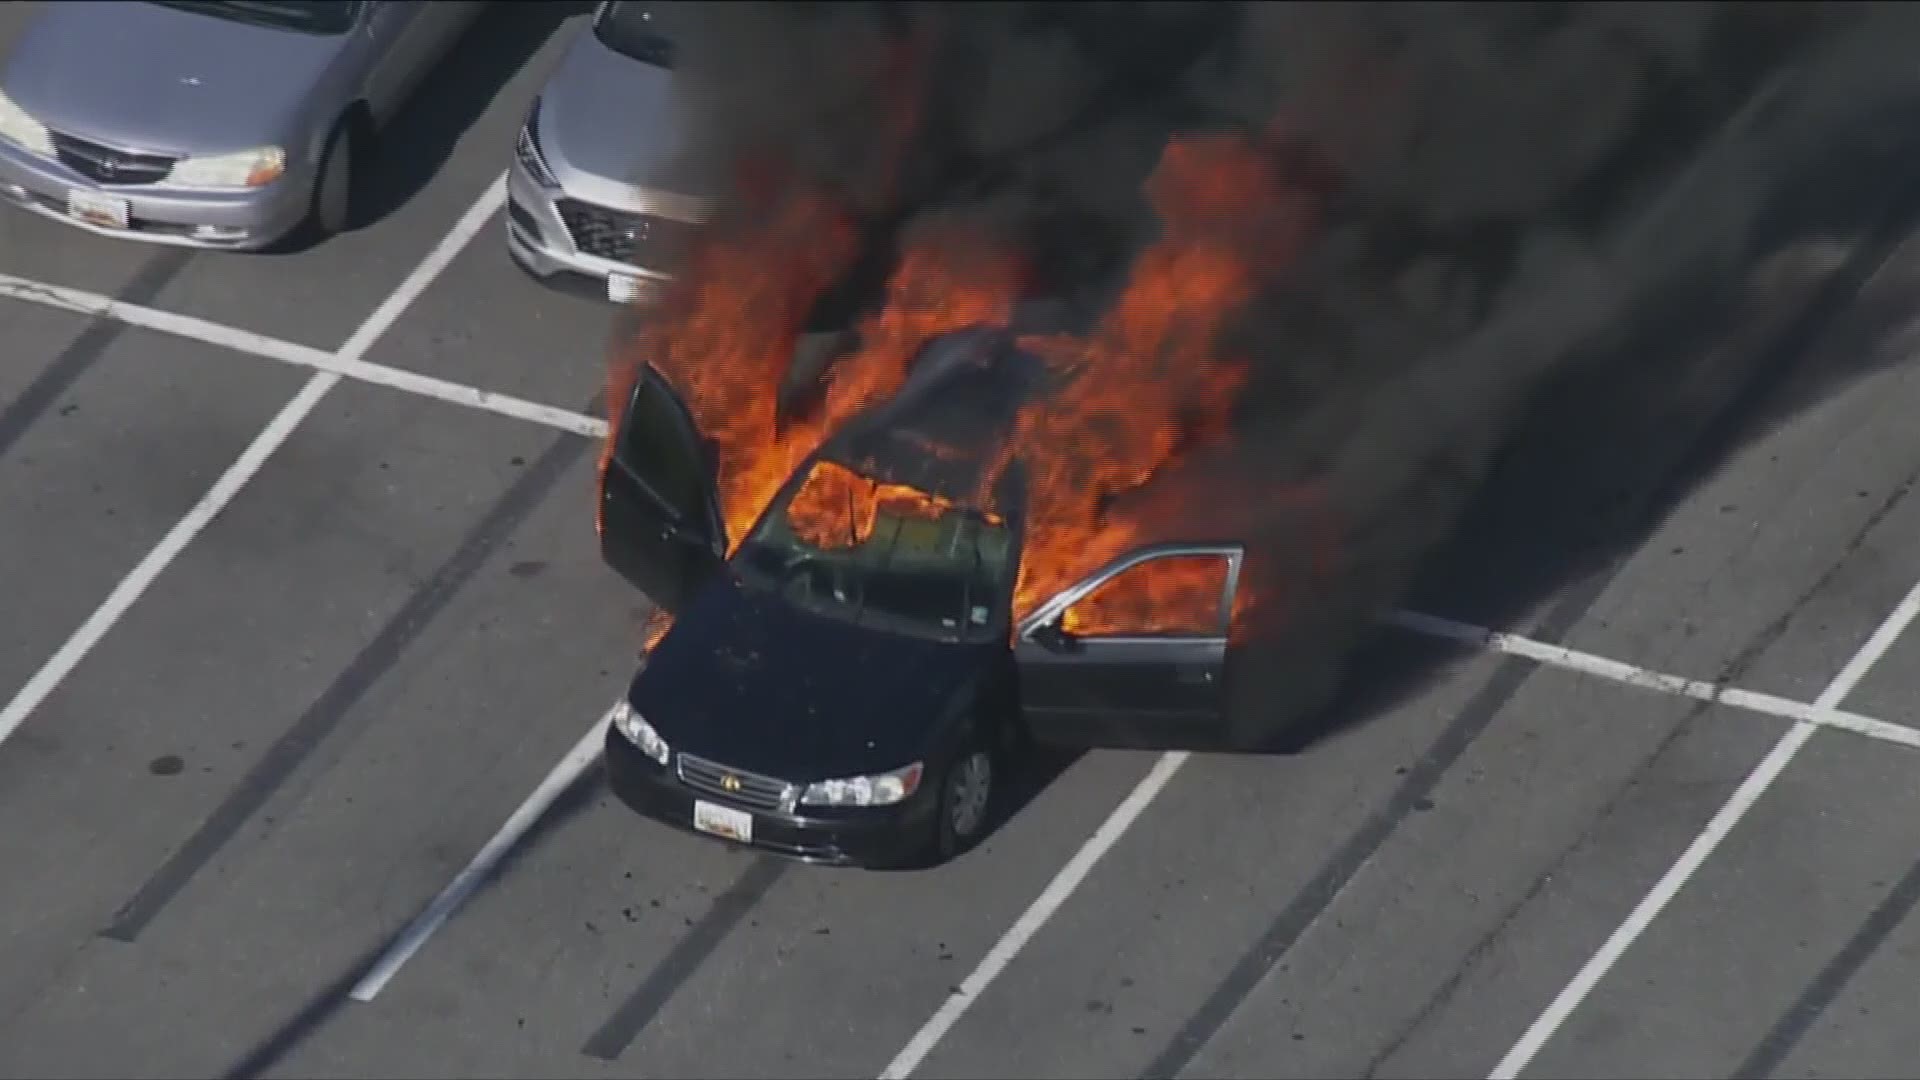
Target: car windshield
(633,31)
(307,16)
(882,555)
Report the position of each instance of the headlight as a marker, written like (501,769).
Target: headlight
(640,733)
(526,147)
(17,127)
(244,169)
(880,789)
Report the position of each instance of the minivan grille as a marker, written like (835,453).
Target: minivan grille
(105,165)
(749,789)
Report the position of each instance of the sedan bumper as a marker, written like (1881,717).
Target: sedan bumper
(219,220)
(542,245)
(871,837)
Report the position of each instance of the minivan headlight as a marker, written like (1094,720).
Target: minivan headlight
(21,129)
(628,721)
(244,169)
(878,789)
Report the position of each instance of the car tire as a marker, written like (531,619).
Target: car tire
(969,786)
(333,188)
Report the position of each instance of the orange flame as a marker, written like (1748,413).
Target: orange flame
(1150,382)
(1176,595)
(1145,387)
(836,507)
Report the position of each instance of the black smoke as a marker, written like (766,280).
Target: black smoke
(1501,186)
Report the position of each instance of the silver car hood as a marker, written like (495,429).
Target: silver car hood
(609,126)
(145,77)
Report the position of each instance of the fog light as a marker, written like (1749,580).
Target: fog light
(218,232)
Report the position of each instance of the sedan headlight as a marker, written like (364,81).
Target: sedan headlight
(880,789)
(244,169)
(631,724)
(526,147)
(23,130)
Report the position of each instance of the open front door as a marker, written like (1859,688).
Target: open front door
(1134,655)
(660,525)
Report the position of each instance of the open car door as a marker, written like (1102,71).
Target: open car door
(1135,654)
(659,515)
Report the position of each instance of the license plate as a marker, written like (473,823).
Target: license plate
(628,289)
(96,209)
(723,821)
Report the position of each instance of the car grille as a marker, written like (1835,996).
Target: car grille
(105,165)
(752,790)
(635,239)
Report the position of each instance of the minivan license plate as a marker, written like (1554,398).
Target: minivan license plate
(102,210)
(723,821)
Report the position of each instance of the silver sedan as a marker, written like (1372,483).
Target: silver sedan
(208,123)
(583,207)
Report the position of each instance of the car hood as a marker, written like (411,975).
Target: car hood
(748,680)
(609,116)
(146,77)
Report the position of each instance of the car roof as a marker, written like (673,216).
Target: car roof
(949,425)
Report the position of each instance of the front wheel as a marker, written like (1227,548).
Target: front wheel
(967,791)
(333,189)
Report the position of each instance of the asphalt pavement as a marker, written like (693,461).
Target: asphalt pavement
(249,759)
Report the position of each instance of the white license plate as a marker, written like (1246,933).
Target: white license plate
(723,821)
(627,289)
(96,209)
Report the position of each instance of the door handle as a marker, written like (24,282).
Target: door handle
(1197,675)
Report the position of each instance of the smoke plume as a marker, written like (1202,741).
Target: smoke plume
(1495,184)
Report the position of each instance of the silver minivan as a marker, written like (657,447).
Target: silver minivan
(578,211)
(209,123)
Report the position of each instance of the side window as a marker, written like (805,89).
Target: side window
(1173,595)
(656,447)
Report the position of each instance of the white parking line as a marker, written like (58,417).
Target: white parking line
(136,583)
(233,339)
(586,752)
(1035,917)
(1616,671)
(1809,718)
(1722,823)
(524,818)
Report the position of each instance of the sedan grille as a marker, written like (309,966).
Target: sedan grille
(747,789)
(105,165)
(647,240)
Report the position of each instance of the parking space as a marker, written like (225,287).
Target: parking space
(1778,903)
(531,342)
(110,464)
(1114,984)
(1855,1017)
(1533,852)
(349,678)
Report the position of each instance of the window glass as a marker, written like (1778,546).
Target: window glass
(1174,594)
(655,446)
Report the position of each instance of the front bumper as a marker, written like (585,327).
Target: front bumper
(213,220)
(540,244)
(871,837)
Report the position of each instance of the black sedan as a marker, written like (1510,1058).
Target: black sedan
(847,687)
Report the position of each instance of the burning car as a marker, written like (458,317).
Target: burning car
(846,685)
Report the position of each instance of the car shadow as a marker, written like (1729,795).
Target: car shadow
(450,99)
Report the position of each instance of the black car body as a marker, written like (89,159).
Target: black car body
(840,705)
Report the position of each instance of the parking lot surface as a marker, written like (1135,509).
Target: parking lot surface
(289,655)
